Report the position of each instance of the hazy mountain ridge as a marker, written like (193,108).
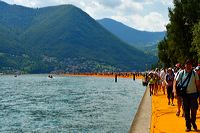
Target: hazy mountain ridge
(61,38)
(136,38)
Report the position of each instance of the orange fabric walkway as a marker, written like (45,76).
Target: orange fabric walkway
(164,119)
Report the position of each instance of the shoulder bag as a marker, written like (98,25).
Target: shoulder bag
(180,89)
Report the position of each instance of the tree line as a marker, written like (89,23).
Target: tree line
(182,40)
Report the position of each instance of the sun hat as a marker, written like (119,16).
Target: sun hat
(169,69)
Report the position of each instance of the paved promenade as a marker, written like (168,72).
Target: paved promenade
(164,119)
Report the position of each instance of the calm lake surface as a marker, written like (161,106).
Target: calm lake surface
(35,103)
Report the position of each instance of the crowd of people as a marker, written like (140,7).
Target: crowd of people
(180,82)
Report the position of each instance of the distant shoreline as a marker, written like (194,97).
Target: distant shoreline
(103,75)
(109,75)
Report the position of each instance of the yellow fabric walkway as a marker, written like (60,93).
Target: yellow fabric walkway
(164,119)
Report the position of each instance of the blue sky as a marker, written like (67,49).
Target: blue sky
(148,15)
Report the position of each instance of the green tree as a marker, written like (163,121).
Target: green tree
(183,17)
(162,51)
(196,40)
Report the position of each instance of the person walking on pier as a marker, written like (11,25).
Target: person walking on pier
(177,96)
(169,82)
(151,83)
(162,76)
(191,87)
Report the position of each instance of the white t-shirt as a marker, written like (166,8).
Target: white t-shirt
(191,88)
(162,75)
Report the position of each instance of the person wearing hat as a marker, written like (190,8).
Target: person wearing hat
(191,85)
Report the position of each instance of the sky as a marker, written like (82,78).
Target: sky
(146,15)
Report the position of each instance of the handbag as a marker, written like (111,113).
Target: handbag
(180,89)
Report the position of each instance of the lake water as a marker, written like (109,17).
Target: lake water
(35,103)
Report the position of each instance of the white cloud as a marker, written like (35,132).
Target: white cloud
(151,22)
(28,3)
(110,3)
(167,2)
(131,7)
(97,10)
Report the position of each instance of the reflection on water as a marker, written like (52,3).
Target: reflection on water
(35,103)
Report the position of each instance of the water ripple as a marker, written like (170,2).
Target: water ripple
(35,103)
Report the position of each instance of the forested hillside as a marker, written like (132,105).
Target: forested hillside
(61,38)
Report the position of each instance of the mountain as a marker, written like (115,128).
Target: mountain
(41,40)
(139,39)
